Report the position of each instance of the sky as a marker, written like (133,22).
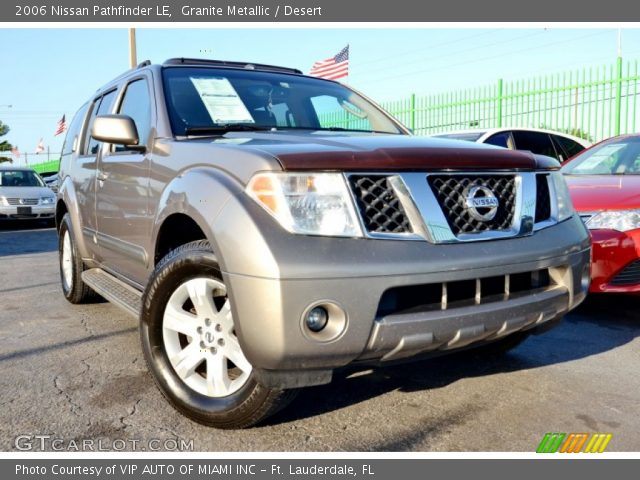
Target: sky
(49,72)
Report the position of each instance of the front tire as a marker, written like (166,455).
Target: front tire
(188,339)
(71,266)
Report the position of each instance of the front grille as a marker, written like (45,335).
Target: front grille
(629,275)
(543,198)
(22,201)
(451,192)
(462,293)
(379,206)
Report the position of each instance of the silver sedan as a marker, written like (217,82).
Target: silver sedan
(23,195)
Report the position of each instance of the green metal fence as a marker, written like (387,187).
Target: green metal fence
(594,103)
(46,167)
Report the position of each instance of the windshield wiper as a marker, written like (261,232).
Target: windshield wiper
(342,129)
(224,128)
(336,129)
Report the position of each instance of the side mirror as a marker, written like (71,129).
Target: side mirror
(117,129)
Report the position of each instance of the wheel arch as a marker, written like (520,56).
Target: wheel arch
(177,229)
(67,202)
(188,208)
(61,210)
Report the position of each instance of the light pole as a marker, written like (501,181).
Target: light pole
(132,48)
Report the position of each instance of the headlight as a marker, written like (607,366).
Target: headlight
(3,201)
(47,200)
(563,198)
(312,204)
(621,220)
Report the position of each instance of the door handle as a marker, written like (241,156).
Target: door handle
(102,176)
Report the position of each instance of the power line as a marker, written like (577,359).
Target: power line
(33,112)
(459,52)
(436,45)
(453,65)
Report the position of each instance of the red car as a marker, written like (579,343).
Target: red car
(604,182)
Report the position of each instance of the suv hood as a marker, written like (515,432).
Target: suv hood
(604,192)
(340,151)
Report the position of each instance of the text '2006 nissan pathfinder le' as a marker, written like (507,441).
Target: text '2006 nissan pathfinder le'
(268,228)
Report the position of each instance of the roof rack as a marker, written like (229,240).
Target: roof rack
(224,63)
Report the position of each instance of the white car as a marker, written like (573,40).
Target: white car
(545,142)
(52,182)
(24,195)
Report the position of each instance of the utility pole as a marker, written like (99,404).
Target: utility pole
(132,48)
(619,42)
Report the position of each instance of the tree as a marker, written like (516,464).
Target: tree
(4,145)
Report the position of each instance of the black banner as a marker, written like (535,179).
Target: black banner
(171,11)
(372,469)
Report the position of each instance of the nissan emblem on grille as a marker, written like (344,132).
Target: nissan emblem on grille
(481,203)
(453,190)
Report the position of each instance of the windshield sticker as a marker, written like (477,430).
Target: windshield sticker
(221,100)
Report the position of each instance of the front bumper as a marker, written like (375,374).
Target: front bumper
(286,275)
(270,312)
(612,252)
(37,211)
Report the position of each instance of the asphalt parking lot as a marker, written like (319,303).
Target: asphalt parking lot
(77,372)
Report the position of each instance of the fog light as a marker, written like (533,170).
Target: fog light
(317,319)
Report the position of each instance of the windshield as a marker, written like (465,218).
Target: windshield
(618,156)
(20,178)
(200,98)
(469,137)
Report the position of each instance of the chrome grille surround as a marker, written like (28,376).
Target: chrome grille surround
(428,220)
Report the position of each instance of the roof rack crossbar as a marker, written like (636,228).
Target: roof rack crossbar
(224,63)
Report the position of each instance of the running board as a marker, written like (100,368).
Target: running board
(114,290)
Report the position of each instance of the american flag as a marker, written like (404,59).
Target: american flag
(62,126)
(334,67)
(15,152)
(40,147)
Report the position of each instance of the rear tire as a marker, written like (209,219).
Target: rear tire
(71,266)
(189,344)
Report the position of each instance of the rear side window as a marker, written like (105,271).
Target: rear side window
(137,104)
(536,142)
(101,106)
(71,141)
(569,146)
(502,139)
